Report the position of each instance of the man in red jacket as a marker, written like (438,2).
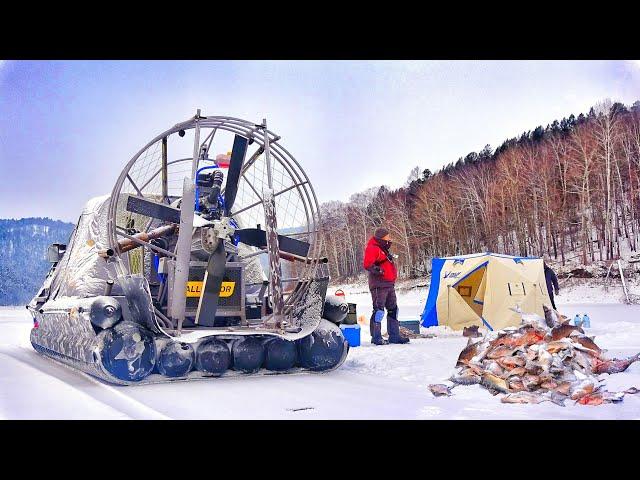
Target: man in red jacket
(382,278)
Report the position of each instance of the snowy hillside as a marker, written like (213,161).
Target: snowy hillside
(23,262)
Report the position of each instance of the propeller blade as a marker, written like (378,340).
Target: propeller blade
(258,238)
(152,209)
(208,303)
(238,153)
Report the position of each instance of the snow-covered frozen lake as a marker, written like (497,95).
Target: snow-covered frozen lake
(388,382)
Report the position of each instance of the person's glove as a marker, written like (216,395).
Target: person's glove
(378,316)
(377,270)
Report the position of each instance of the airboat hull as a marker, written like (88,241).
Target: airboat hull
(63,331)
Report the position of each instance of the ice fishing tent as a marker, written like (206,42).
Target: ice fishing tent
(481,289)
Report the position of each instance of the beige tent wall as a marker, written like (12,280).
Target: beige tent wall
(511,285)
(460,313)
(497,299)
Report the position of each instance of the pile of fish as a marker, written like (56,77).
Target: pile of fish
(545,359)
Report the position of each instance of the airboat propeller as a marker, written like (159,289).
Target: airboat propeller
(270,186)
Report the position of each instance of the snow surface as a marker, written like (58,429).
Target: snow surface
(387,382)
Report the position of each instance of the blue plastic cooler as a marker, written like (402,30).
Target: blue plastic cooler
(351,334)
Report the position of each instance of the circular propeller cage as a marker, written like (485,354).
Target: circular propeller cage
(297,210)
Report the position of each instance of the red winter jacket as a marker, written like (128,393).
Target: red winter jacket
(374,255)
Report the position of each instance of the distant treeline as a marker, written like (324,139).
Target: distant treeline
(570,190)
(23,256)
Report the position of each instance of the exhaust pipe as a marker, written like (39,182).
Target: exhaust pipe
(127,244)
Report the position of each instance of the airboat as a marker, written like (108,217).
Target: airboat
(196,265)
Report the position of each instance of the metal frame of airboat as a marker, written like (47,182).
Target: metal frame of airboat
(267,142)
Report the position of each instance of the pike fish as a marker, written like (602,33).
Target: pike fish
(528,336)
(530,382)
(515,384)
(533,368)
(466,377)
(557,398)
(550,317)
(518,371)
(564,331)
(586,342)
(586,387)
(523,397)
(440,390)
(500,351)
(585,362)
(494,383)
(544,359)
(511,362)
(546,377)
(558,345)
(470,351)
(598,398)
(564,388)
(549,385)
(615,365)
(534,398)
(494,368)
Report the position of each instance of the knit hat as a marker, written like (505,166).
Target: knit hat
(381,233)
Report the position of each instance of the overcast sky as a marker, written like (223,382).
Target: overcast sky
(67,128)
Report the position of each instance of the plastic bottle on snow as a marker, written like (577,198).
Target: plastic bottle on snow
(577,321)
(586,321)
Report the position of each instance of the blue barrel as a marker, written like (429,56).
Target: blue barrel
(128,351)
(248,354)
(213,356)
(280,354)
(176,359)
(323,349)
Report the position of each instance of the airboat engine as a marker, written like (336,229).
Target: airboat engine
(194,267)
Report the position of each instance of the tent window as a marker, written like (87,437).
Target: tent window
(471,288)
(516,288)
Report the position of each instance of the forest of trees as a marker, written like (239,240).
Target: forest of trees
(570,190)
(23,261)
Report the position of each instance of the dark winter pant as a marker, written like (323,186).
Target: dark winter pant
(553,303)
(384,297)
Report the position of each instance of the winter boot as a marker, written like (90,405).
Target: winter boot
(376,332)
(398,340)
(393,327)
